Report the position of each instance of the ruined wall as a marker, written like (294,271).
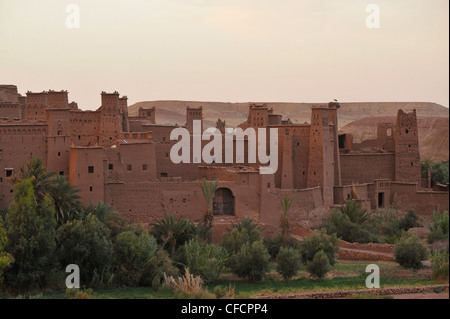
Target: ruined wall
(405,196)
(365,168)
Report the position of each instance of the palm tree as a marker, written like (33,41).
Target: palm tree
(208,189)
(286,204)
(171,232)
(41,180)
(66,199)
(354,212)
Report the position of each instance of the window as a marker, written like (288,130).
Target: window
(8,172)
(1,154)
(164,175)
(110,167)
(61,173)
(90,189)
(129,167)
(144,167)
(59,153)
(59,132)
(91,169)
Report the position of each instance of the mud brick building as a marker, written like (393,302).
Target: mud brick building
(124,161)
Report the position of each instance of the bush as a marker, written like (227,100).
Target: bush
(341,225)
(439,227)
(171,232)
(206,261)
(86,243)
(234,241)
(288,263)
(252,261)
(252,228)
(410,220)
(409,252)
(31,238)
(133,251)
(440,264)
(5,259)
(316,242)
(274,244)
(159,265)
(320,265)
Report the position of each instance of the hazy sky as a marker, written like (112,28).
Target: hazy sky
(228,50)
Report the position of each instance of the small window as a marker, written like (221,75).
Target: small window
(129,167)
(144,167)
(79,137)
(61,173)
(91,169)
(59,132)
(59,153)
(164,139)
(167,154)
(164,175)
(90,189)
(110,167)
(8,172)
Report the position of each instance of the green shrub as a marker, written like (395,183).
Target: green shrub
(133,250)
(355,213)
(205,260)
(316,242)
(158,265)
(171,232)
(440,264)
(87,244)
(249,225)
(439,227)
(341,225)
(410,220)
(252,261)
(320,265)
(31,238)
(274,244)
(288,263)
(409,252)
(5,259)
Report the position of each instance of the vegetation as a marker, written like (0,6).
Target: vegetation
(134,249)
(319,266)
(171,232)
(288,263)
(5,259)
(439,227)
(409,252)
(208,190)
(319,241)
(286,204)
(349,223)
(205,260)
(439,170)
(252,261)
(440,264)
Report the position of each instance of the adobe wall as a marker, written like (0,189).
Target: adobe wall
(405,196)
(306,210)
(18,144)
(365,168)
(10,111)
(84,127)
(130,163)
(90,182)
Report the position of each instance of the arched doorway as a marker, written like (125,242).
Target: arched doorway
(223,203)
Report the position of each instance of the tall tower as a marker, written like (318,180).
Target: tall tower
(35,106)
(194,114)
(323,163)
(57,100)
(123,104)
(110,119)
(406,144)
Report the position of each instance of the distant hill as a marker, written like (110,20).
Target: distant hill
(174,112)
(360,119)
